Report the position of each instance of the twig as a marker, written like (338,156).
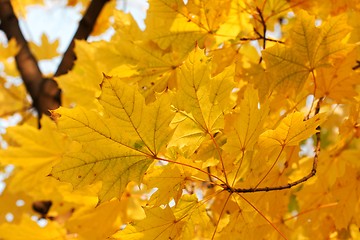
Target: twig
(292,184)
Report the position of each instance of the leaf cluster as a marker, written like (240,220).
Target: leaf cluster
(201,126)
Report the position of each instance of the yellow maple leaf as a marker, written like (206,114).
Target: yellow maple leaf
(74,2)
(310,48)
(8,51)
(291,130)
(12,99)
(201,101)
(159,224)
(46,49)
(130,142)
(103,21)
(8,204)
(29,229)
(168,223)
(245,126)
(193,213)
(169,182)
(136,60)
(10,68)
(33,152)
(82,222)
(92,60)
(37,146)
(338,82)
(183,24)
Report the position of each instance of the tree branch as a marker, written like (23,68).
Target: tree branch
(44,92)
(86,26)
(291,184)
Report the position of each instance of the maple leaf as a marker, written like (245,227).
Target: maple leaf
(201,101)
(82,222)
(29,229)
(338,82)
(8,205)
(46,49)
(169,181)
(310,49)
(184,24)
(138,60)
(103,21)
(34,152)
(12,99)
(159,224)
(167,223)
(9,51)
(19,6)
(291,130)
(85,68)
(244,127)
(129,143)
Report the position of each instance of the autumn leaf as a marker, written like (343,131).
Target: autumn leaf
(339,81)
(72,83)
(209,123)
(103,22)
(125,156)
(138,60)
(159,224)
(201,101)
(310,48)
(185,24)
(9,200)
(12,99)
(29,229)
(291,130)
(45,50)
(245,126)
(82,221)
(34,152)
(169,181)
(9,51)
(167,223)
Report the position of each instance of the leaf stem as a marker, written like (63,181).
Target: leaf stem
(220,157)
(221,213)
(276,160)
(301,180)
(261,214)
(190,166)
(310,210)
(238,169)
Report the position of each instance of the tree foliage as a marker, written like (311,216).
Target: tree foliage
(227,119)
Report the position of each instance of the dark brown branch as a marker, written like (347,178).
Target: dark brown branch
(357,65)
(263,23)
(44,92)
(258,38)
(86,25)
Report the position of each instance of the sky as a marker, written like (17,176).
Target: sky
(60,22)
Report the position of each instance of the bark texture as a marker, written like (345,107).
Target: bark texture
(44,92)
